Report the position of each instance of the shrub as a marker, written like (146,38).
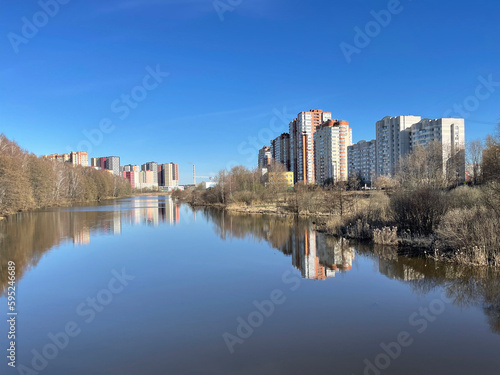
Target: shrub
(243,197)
(359,229)
(386,236)
(378,210)
(334,225)
(473,235)
(465,197)
(419,210)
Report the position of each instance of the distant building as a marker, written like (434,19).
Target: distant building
(393,142)
(94,163)
(151,166)
(79,158)
(57,157)
(168,175)
(280,150)
(113,164)
(131,167)
(362,160)
(75,158)
(301,132)
(208,184)
(449,133)
(132,177)
(146,180)
(265,157)
(398,136)
(331,140)
(279,177)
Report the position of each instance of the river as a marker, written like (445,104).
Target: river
(147,285)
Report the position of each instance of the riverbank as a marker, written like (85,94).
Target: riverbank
(453,225)
(69,204)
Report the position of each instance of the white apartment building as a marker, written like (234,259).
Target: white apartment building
(398,136)
(393,142)
(449,133)
(362,160)
(331,140)
(301,132)
(170,175)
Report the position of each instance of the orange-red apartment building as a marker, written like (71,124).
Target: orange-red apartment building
(302,131)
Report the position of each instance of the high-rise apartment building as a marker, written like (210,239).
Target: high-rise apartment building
(301,132)
(398,136)
(79,158)
(168,175)
(265,157)
(280,150)
(132,177)
(362,160)
(331,140)
(393,142)
(449,133)
(75,158)
(98,162)
(112,163)
(151,166)
(130,168)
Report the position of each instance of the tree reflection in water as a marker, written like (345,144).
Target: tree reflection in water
(319,256)
(26,237)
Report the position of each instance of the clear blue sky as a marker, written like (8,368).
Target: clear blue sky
(236,80)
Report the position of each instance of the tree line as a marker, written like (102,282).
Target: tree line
(30,182)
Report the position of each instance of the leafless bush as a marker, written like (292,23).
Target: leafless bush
(465,197)
(246,197)
(386,236)
(386,183)
(334,225)
(359,229)
(472,234)
(419,210)
(378,210)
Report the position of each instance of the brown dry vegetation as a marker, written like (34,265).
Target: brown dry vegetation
(28,182)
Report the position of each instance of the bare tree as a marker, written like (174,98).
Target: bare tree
(474,154)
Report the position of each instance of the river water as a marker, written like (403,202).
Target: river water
(149,286)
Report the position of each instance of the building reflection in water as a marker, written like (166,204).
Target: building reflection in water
(319,256)
(25,237)
(316,255)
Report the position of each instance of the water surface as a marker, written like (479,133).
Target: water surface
(150,286)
